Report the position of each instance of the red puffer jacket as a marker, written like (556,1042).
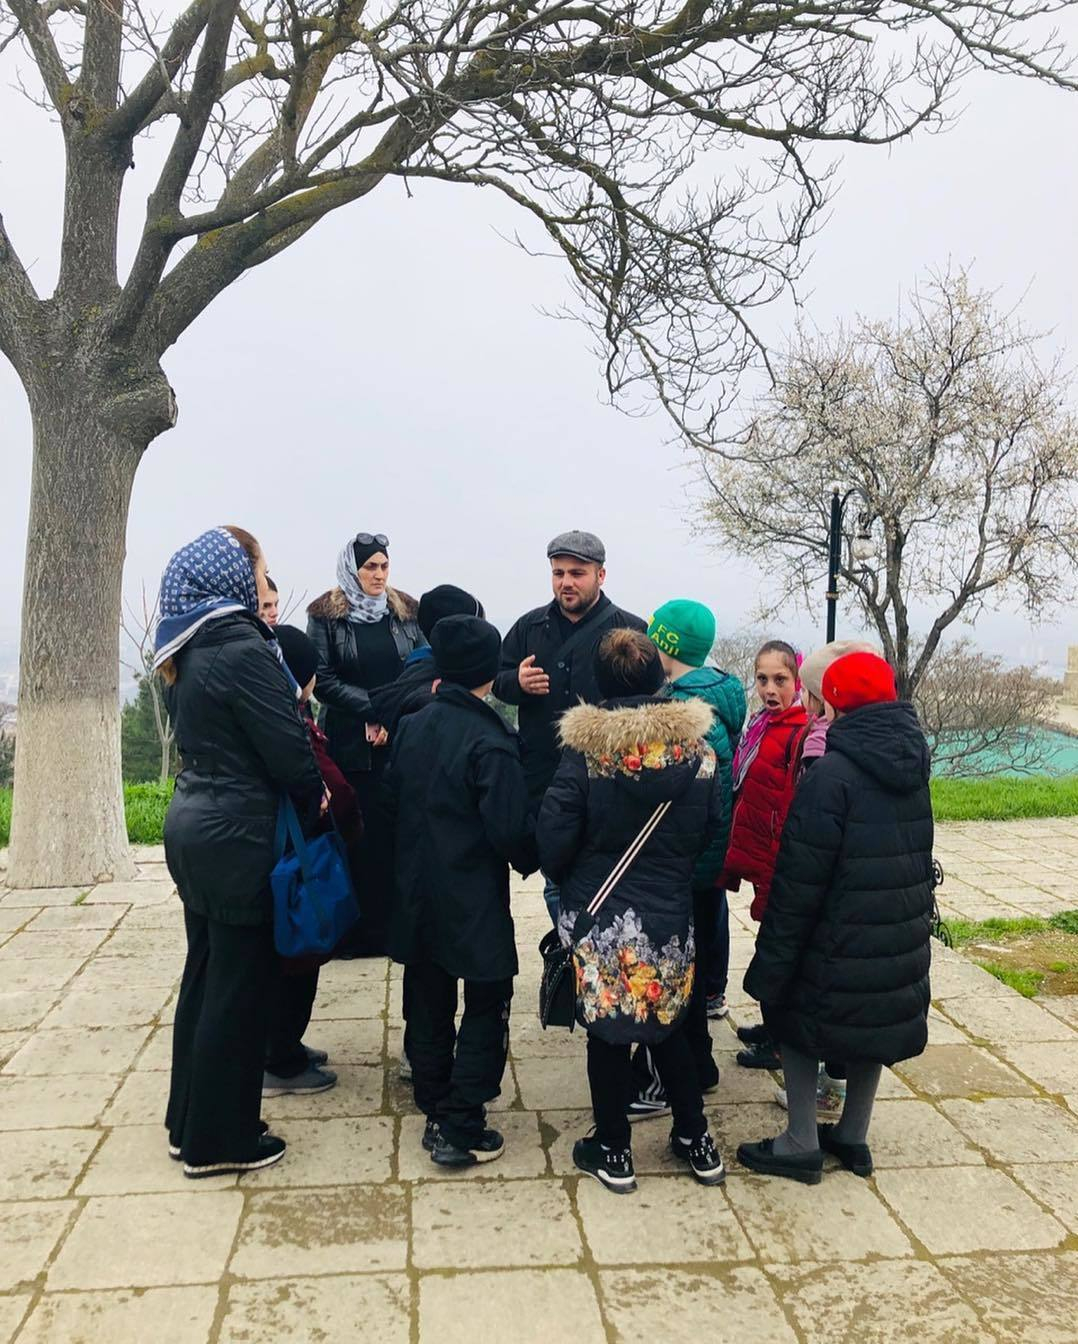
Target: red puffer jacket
(760,808)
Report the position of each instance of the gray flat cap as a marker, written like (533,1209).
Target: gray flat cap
(580,545)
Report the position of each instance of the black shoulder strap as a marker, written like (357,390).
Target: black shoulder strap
(587,628)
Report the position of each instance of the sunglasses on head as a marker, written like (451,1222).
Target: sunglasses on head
(369,538)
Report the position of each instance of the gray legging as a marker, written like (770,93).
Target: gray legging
(801,1072)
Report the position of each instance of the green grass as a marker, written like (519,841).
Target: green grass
(1004,799)
(144,806)
(970,931)
(1027,983)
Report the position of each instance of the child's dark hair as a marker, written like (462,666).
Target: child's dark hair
(627,663)
(786,652)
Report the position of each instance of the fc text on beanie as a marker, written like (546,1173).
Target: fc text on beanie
(445,600)
(299,653)
(858,679)
(683,630)
(467,650)
(819,660)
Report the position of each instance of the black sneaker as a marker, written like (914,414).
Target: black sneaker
(717,1007)
(855,1157)
(487,1149)
(804,1167)
(763,1055)
(176,1153)
(648,1105)
(751,1035)
(430,1135)
(270,1150)
(702,1155)
(316,1057)
(612,1167)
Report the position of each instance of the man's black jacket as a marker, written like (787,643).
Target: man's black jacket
(544,633)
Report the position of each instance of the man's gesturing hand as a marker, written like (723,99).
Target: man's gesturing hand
(533,680)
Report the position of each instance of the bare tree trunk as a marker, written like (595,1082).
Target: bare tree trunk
(68,824)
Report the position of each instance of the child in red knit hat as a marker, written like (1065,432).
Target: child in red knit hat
(842,957)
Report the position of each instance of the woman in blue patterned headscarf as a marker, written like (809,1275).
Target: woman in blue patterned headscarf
(242,745)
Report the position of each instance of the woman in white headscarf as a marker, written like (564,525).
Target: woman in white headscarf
(363,630)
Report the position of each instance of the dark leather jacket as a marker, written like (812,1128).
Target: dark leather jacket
(345,704)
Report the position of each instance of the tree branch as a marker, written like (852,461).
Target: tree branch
(43,48)
(19,308)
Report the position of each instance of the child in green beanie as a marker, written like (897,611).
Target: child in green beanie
(684,633)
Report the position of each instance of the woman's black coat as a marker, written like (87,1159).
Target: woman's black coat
(455,788)
(345,702)
(242,745)
(842,956)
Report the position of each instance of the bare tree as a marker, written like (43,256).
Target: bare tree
(139,625)
(983,717)
(960,448)
(736,653)
(595,119)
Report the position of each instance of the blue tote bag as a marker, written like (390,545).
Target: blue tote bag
(314,904)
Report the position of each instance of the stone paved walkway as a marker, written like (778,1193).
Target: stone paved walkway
(968,1232)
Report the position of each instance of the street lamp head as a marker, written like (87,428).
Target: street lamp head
(863,548)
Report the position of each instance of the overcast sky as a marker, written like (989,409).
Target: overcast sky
(392,373)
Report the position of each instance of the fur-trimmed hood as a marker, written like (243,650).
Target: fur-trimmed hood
(656,747)
(333,605)
(629,729)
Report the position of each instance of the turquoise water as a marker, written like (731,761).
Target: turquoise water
(1061,757)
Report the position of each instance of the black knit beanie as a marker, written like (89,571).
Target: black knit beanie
(445,600)
(467,650)
(363,550)
(300,656)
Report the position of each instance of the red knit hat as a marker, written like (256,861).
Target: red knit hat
(858,679)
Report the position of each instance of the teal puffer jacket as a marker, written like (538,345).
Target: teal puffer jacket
(726,696)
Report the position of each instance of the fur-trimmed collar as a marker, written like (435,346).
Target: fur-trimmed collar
(333,605)
(629,729)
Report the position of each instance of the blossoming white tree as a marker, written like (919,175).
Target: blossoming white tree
(962,453)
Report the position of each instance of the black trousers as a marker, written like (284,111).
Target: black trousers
(372,863)
(291,1003)
(718,977)
(455,1072)
(219,1040)
(610,1077)
(695,1026)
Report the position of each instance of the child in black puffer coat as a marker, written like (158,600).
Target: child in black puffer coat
(842,957)
(622,760)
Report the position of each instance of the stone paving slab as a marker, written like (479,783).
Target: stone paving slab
(968,1231)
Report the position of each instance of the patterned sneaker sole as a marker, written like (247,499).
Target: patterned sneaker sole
(474,1158)
(617,1185)
(231,1168)
(297,1091)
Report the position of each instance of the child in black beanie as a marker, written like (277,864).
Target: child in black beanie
(456,790)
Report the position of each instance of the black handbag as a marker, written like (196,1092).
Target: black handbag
(557,987)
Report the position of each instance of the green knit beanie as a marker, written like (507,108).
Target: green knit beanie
(684,630)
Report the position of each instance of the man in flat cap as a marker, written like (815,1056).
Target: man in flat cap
(548,657)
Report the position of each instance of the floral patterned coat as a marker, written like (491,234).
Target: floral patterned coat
(634,965)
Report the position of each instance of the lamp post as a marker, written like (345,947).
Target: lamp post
(860,550)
